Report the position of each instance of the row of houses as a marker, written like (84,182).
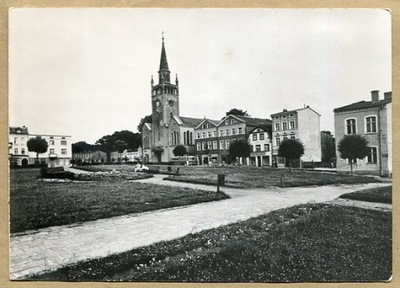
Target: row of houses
(208,140)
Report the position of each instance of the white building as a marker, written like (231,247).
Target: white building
(59,151)
(260,141)
(302,124)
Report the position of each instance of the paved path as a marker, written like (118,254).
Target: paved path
(54,247)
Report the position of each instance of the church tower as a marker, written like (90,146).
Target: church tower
(165,105)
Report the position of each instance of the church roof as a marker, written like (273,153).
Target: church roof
(190,121)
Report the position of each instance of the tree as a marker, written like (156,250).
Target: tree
(180,150)
(240,148)
(291,149)
(38,145)
(82,146)
(120,146)
(353,147)
(146,119)
(238,112)
(107,143)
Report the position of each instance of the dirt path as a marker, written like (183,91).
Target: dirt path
(54,247)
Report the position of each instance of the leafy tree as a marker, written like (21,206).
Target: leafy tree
(353,147)
(133,140)
(146,119)
(38,145)
(238,112)
(180,150)
(291,149)
(240,148)
(82,146)
(120,146)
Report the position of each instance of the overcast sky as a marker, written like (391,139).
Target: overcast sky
(86,72)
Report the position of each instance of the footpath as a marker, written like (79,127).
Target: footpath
(50,248)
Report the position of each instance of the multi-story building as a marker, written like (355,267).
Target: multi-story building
(328,151)
(302,124)
(59,151)
(168,129)
(89,157)
(373,120)
(214,138)
(260,141)
(206,140)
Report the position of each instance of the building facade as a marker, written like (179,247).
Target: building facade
(168,129)
(260,141)
(59,151)
(373,120)
(302,124)
(214,138)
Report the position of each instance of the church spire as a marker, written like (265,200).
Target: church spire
(164,70)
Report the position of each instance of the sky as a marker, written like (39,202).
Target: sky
(85,72)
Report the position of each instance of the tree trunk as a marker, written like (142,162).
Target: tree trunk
(351,166)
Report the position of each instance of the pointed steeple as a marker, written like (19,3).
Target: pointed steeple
(164,70)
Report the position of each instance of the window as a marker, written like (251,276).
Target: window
(233,121)
(291,124)
(227,132)
(227,122)
(51,151)
(23,151)
(221,132)
(203,146)
(221,144)
(198,146)
(240,130)
(278,141)
(51,142)
(373,155)
(266,147)
(63,151)
(293,137)
(16,151)
(227,144)
(254,137)
(204,134)
(276,126)
(15,140)
(215,133)
(284,126)
(261,136)
(284,137)
(209,145)
(351,126)
(208,125)
(233,131)
(198,136)
(258,147)
(208,134)
(215,145)
(370,124)
(203,126)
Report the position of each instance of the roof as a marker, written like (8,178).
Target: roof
(255,122)
(362,105)
(148,125)
(295,110)
(163,60)
(190,121)
(19,130)
(214,122)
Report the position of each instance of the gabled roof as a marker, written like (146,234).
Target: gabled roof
(19,130)
(148,126)
(362,105)
(213,122)
(294,111)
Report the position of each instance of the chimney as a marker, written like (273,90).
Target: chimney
(388,95)
(374,96)
(284,110)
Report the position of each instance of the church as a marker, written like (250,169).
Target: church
(168,129)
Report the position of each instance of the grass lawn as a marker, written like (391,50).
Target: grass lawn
(313,242)
(36,204)
(253,177)
(378,195)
